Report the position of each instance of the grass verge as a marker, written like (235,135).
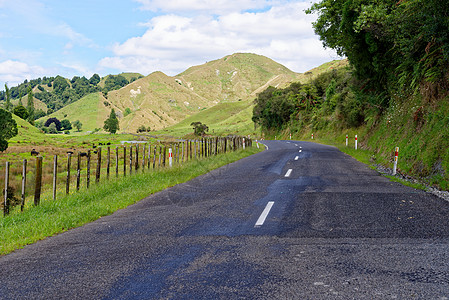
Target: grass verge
(53,217)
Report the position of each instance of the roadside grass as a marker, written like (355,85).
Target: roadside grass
(74,210)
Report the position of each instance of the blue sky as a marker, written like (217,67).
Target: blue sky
(79,38)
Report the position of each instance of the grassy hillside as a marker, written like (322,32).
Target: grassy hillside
(233,77)
(159,101)
(222,119)
(88,110)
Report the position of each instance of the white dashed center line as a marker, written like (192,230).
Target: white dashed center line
(297,157)
(264,214)
(288,173)
(300,150)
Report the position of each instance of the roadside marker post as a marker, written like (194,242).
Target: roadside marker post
(170,157)
(290,136)
(356,142)
(395,165)
(346,140)
(257,143)
(312,136)
(244,144)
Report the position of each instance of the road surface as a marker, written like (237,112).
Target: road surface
(298,221)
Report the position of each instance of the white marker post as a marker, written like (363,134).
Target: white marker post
(170,157)
(395,165)
(243,143)
(312,136)
(356,142)
(290,136)
(346,140)
(257,144)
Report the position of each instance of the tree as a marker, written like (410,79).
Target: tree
(8,128)
(141,128)
(52,128)
(21,112)
(53,120)
(199,128)
(95,79)
(30,105)
(8,104)
(66,125)
(111,124)
(77,124)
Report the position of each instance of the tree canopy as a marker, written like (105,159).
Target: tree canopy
(391,45)
(8,128)
(111,124)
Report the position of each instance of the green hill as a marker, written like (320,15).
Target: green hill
(159,101)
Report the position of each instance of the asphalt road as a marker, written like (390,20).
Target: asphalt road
(298,221)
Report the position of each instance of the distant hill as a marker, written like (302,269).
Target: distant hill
(158,101)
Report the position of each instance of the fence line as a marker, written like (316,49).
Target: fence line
(178,153)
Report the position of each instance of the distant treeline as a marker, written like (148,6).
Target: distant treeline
(57,92)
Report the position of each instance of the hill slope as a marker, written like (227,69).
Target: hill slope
(158,101)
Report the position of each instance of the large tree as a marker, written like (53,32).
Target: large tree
(8,104)
(8,128)
(392,45)
(111,124)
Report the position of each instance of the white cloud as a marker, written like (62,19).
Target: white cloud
(172,42)
(13,72)
(218,6)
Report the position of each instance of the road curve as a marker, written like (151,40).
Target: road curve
(298,221)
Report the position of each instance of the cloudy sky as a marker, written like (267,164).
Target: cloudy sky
(82,37)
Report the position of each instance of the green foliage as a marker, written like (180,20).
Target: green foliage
(52,128)
(30,105)
(142,128)
(95,79)
(111,124)
(77,124)
(66,125)
(387,40)
(115,82)
(53,121)
(21,112)
(127,111)
(8,128)
(8,104)
(199,128)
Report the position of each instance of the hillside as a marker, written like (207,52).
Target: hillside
(234,77)
(159,101)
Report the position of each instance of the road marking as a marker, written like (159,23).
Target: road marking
(296,145)
(300,150)
(264,214)
(297,157)
(288,173)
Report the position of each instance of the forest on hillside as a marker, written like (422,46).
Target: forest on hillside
(57,92)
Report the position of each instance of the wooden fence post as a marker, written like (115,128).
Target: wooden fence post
(88,169)
(124,160)
(98,172)
(149,157)
(38,181)
(78,172)
(163,156)
(69,162)
(154,157)
(143,156)
(137,157)
(108,162)
(6,201)
(24,181)
(116,161)
(55,174)
(130,159)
